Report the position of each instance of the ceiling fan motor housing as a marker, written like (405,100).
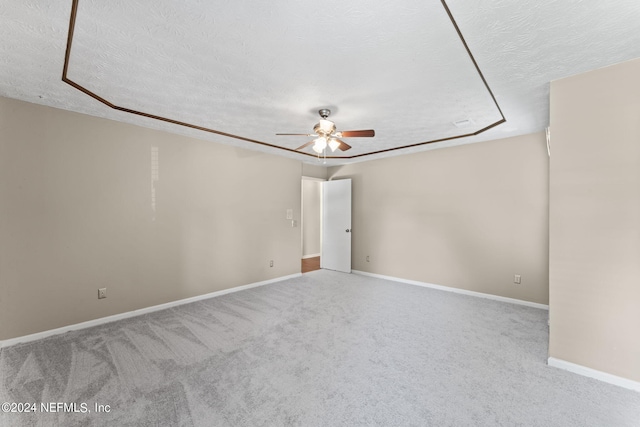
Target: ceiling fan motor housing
(324,127)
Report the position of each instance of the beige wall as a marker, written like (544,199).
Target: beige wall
(314,171)
(468,217)
(311,212)
(76,215)
(595,220)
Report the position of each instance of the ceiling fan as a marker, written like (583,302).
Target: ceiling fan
(327,136)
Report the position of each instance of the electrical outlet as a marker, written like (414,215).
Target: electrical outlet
(517,279)
(367,258)
(102,293)
(271,263)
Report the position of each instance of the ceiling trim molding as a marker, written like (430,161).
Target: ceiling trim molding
(67,80)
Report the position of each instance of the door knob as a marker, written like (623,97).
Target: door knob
(348,230)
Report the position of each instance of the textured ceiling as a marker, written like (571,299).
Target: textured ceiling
(247,70)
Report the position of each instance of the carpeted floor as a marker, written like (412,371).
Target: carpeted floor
(324,349)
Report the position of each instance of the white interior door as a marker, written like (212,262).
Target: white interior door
(336,225)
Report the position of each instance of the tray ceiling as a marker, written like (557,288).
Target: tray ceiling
(240,72)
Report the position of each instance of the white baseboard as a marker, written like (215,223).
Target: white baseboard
(310,256)
(128,314)
(592,373)
(455,290)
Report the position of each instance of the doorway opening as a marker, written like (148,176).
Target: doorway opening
(326,225)
(311,223)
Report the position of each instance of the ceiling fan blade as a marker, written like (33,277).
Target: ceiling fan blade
(295,134)
(304,145)
(357,133)
(343,145)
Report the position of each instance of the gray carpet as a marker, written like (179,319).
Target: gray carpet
(325,349)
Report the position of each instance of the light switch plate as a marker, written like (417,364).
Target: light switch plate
(289,213)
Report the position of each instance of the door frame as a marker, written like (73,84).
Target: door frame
(308,178)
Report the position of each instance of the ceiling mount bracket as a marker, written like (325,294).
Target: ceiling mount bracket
(324,113)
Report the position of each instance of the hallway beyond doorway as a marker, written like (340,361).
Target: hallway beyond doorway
(310,264)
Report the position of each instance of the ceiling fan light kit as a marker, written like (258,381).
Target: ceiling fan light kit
(327,136)
(319,144)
